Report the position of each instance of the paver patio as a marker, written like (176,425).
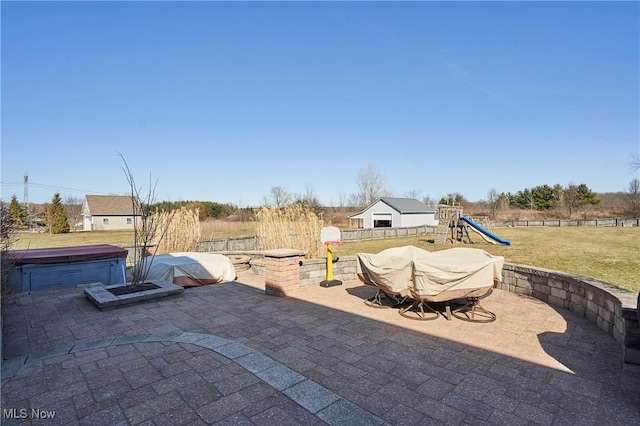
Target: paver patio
(229,354)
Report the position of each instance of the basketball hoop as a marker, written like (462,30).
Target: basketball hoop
(330,237)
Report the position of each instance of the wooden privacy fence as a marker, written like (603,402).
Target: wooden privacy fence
(566,222)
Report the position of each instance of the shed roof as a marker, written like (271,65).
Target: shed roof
(402,205)
(406,205)
(109,205)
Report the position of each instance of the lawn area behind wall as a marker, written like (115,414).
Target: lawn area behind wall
(609,254)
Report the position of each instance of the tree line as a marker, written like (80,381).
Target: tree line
(206,209)
(371,185)
(544,197)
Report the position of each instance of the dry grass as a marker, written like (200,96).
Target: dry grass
(215,228)
(295,227)
(607,254)
(182,230)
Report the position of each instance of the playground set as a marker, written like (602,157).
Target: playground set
(452,221)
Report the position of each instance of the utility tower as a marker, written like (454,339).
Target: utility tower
(26,198)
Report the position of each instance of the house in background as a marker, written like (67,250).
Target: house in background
(390,212)
(108,213)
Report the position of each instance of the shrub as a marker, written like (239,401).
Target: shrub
(7,239)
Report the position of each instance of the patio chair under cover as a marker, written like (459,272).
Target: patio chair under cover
(190,269)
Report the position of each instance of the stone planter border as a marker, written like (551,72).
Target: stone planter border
(100,295)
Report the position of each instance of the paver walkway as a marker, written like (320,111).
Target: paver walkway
(229,354)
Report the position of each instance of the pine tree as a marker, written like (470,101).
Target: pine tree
(18,216)
(56,218)
(576,196)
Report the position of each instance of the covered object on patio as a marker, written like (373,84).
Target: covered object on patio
(410,272)
(189,269)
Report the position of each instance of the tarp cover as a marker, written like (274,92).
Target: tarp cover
(47,256)
(410,270)
(190,269)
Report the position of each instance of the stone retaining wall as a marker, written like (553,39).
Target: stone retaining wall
(600,302)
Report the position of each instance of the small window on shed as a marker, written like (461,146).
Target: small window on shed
(129,221)
(105,221)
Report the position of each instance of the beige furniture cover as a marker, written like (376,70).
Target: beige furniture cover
(410,271)
(189,269)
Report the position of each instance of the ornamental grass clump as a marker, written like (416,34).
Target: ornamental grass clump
(182,230)
(294,227)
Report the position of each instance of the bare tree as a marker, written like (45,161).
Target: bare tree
(148,232)
(632,198)
(412,193)
(635,162)
(493,202)
(310,194)
(371,185)
(73,208)
(309,198)
(281,198)
(342,199)
(354,201)
(430,202)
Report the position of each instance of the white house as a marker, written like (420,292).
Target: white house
(396,212)
(107,213)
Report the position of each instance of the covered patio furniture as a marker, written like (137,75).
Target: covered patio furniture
(190,269)
(462,275)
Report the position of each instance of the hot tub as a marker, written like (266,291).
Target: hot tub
(39,269)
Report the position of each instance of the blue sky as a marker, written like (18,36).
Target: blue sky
(222,101)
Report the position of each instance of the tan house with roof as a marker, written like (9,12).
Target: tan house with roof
(108,213)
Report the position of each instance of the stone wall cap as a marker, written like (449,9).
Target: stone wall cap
(283,253)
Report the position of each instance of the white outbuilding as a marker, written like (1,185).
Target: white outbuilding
(390,212)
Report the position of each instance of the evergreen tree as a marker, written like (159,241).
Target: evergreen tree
(576,196)
(542,197)
(56,218)
(18,216)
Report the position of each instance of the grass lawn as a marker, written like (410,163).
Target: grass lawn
(608,254)
(42,240)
